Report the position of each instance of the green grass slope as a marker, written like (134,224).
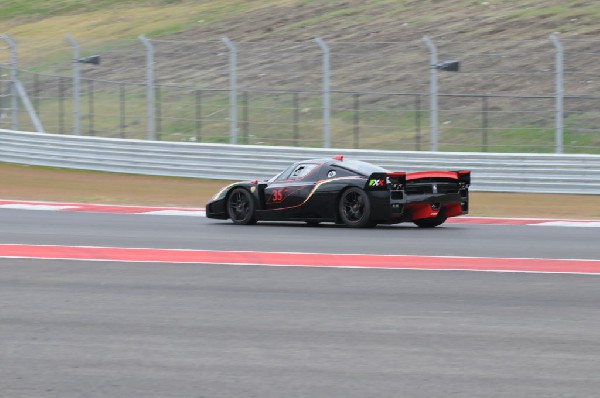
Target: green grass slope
(375,20)
(484,34)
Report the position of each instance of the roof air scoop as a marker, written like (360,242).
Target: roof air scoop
(338,157)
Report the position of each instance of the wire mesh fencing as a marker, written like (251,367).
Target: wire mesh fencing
(502,100)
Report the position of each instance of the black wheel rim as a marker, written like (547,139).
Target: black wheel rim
(353,206)
(239,206)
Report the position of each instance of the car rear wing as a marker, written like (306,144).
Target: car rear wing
(397,180)
(391,180)
(464,176)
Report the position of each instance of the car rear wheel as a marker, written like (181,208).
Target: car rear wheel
(355,208)
(240,207)
(430,222)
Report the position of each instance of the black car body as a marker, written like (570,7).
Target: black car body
(344,191)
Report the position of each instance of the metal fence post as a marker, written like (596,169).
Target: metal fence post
(76,70)
(232,91)
(326,94)
(13,81)
(558,82)
(17,90)
(433,94)
(150,106)
(29,107)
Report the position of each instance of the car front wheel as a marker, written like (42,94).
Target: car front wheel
(355,208)
(240,207)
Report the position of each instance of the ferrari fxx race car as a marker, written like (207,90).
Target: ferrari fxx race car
(345,191)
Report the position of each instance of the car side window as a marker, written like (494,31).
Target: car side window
(302,170)
(339,172)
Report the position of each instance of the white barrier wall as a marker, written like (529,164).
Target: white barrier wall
(500,172)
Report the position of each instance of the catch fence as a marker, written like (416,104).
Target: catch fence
(377,95)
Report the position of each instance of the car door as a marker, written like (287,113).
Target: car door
(290,191)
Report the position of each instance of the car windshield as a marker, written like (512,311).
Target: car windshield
(281,175)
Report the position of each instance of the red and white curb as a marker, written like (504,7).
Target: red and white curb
(283,259)
(199,212)
(542,222)
(97,208)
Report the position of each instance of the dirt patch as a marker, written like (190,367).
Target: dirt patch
(38,183)
(535,205)
(49,184)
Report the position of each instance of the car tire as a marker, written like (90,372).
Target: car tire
(430,222)
(355,208)
(240,207)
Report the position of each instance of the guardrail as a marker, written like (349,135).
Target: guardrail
(499,172)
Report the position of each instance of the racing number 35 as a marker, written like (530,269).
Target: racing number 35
(277,195)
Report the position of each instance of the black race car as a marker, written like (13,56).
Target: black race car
(346,191)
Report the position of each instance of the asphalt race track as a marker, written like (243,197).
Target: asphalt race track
(73,328)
